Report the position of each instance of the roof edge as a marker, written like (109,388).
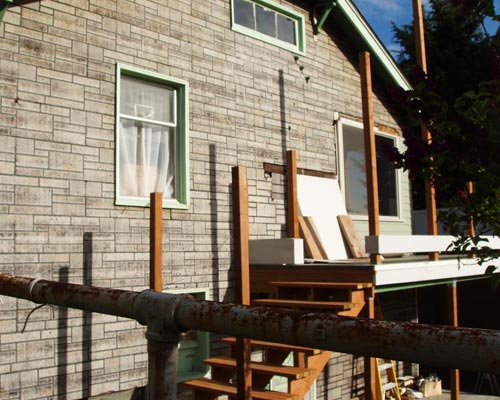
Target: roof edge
(373,43)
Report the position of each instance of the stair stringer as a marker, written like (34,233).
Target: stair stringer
(316,362)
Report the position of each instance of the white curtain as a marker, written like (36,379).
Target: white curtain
(146,159)
(146,149)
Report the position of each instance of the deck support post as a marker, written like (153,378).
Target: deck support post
(370,368)
(370,150)
(155,242)
(242,268)
(430,190)
(453,321)
(291,193)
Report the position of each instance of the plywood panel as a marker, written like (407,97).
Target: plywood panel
(321,199)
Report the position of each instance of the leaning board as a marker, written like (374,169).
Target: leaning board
(321,199)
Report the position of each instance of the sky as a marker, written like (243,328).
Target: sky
(380,14)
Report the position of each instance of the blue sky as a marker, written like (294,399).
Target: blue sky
(380,14)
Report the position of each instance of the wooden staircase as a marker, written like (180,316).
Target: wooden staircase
(342,298)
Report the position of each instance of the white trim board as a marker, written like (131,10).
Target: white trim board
(320,198)
(387,244)
(408,272)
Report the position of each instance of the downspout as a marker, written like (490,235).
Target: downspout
(3,7)
(327,8)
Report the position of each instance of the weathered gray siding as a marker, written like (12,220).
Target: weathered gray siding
(249,102)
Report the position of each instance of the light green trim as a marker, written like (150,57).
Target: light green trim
(416,285)
(3,7)
(182,140)
(198,349)
(373,43)
(323,17)
(299,48)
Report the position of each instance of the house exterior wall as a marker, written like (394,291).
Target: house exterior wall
(249,102)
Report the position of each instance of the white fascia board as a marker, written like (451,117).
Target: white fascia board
(387,244)
(373,43)
(412,272)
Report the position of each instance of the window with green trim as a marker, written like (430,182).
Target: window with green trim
(151,138)
(353,176)
(269,22)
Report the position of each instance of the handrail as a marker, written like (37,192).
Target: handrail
(166,315)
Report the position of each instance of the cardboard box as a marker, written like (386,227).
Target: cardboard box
(430,388)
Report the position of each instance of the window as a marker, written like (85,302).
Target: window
(151,139)
(353,175)
(269,22)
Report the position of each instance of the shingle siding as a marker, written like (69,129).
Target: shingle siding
(249,103)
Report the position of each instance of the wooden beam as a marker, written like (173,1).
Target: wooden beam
(430,190)
(351,236)
(370,150)
(312,241)
(281,169)
(242,268)
(370,368)
(155,242)
(291,195)
(453,321)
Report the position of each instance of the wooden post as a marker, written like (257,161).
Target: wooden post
(155,242)
(453,321)
(291,192)
(242,269)
(472,229)
(430,190)
(370,369)
(370,150)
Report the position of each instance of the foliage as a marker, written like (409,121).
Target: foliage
(459,102)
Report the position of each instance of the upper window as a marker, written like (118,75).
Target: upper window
(353,175)
(269,22)
(152,138)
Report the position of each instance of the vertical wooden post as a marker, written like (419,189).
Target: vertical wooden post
(291,193)
(453,321)
(370,150)
(430,190)
(242,269)
(472,229)
(155,242)
(370,369)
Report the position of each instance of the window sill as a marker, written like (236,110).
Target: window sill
(145,202)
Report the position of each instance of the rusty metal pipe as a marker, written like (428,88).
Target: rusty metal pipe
(167,314)
(440,346)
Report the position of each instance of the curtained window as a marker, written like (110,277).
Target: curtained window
(151,139)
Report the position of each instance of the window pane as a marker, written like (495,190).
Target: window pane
(286,29)
(355,175)
(266,21)
(243,13)
(145,99)
(354,170)
(386,173)
(147,159)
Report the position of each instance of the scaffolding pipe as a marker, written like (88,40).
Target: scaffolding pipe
(166,315)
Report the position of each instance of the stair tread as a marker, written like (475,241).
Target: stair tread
(271,345)
(225,388)
(388,386)
(337,305)
(325,285)
(384,366)
(273,369)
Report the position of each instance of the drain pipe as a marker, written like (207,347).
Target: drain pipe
(166,315)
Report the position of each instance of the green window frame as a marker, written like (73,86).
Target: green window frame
(269,22)
(353,177)
(171,121)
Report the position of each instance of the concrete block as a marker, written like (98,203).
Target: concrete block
(276,251)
